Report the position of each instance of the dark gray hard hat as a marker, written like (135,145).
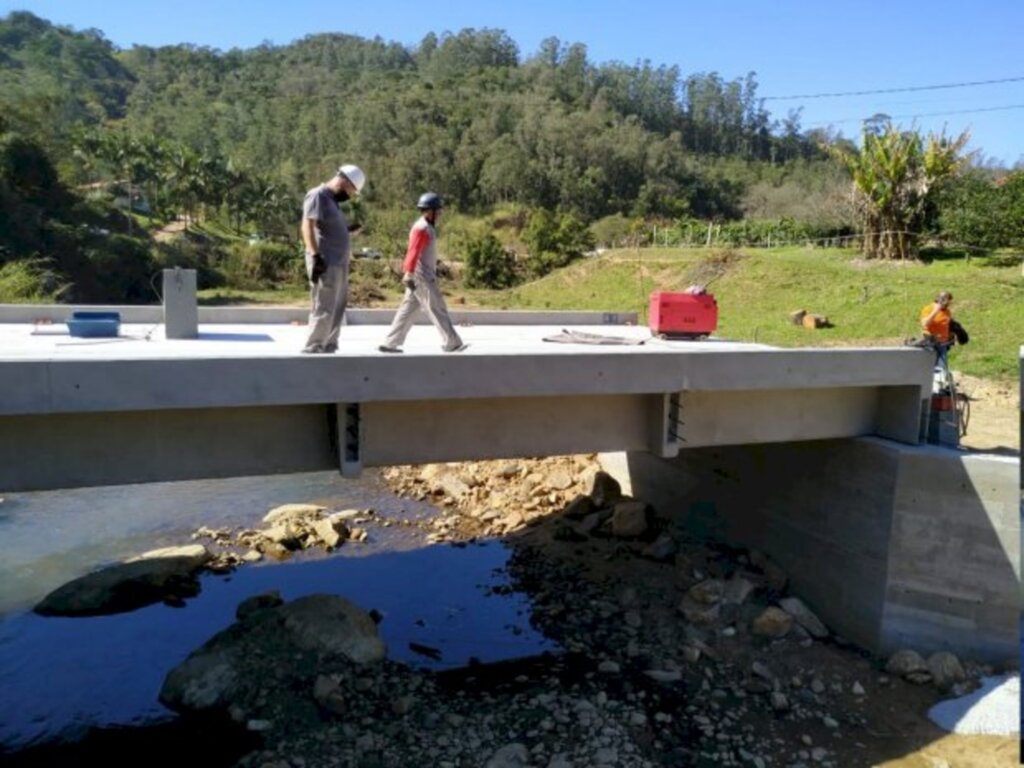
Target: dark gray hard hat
(430,201)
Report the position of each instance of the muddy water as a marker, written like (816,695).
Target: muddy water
(60,677)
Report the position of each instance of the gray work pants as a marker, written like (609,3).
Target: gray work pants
(427,296)
(328,298)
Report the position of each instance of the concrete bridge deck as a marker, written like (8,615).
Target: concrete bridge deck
(240,399)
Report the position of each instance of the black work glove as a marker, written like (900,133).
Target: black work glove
(319,267)
(409,283)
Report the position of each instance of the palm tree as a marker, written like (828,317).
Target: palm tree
(183,177)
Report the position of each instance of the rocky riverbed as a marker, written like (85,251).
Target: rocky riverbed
(675,652)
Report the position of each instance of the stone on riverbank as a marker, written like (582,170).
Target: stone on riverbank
(161,575)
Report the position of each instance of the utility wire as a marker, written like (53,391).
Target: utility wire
(893,90)
(925,114)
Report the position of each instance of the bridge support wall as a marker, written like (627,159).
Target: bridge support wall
(893,545)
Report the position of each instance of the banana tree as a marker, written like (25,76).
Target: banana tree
(893,174)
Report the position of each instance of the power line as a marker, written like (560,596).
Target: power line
(894,90)
(925,114)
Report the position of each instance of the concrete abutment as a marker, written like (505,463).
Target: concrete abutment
(892,545)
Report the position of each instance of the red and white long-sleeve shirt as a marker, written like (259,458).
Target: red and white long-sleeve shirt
(421,255)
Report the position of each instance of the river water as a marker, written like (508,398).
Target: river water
(61,676)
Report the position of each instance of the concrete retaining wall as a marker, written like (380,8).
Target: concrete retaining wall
(894,546)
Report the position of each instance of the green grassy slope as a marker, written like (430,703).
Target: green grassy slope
(868,302)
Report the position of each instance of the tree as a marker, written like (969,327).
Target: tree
(894,173)
(978,210)
(488,265)
(555,240)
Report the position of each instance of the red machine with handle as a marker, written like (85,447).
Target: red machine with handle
(688,315)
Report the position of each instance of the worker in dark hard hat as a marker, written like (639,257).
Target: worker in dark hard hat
(325,235)
(419,275)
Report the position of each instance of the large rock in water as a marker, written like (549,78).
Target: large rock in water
(164,574)
(233,664)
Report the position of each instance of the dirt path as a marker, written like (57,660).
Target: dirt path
(170,231)
(994,423)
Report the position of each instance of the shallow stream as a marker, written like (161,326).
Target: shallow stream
(60,677)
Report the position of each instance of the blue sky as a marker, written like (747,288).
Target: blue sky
(794,46)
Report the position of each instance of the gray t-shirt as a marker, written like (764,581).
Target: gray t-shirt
(331,230)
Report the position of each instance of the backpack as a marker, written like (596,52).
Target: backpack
(959,332)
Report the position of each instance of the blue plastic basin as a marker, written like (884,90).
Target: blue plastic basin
(93,325)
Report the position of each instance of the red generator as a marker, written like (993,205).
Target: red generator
(682,315)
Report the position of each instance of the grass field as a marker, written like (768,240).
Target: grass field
(868,302)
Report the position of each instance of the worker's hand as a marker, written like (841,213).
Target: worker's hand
(408,281)
(319,267)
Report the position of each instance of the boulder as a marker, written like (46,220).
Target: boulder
(197,553)
(559,480)
(909,665)
(630,519)
(946,670)
(737,590)
(293,512)
(772,622)
(229,668)
(804,616)
(332,625)
(328,693)
(286,534)
(698,613)
(708,592)
(450,484)
(661,549)
(579,508)
(775,576)
(329,532)
(606,490)
(251,605)
(166,574)
(510,756)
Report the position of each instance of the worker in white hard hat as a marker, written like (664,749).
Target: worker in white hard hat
(419,275)
(326,236)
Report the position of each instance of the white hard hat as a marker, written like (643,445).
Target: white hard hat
(354,174)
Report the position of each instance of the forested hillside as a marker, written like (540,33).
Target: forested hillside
(466,113)
(236,136)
